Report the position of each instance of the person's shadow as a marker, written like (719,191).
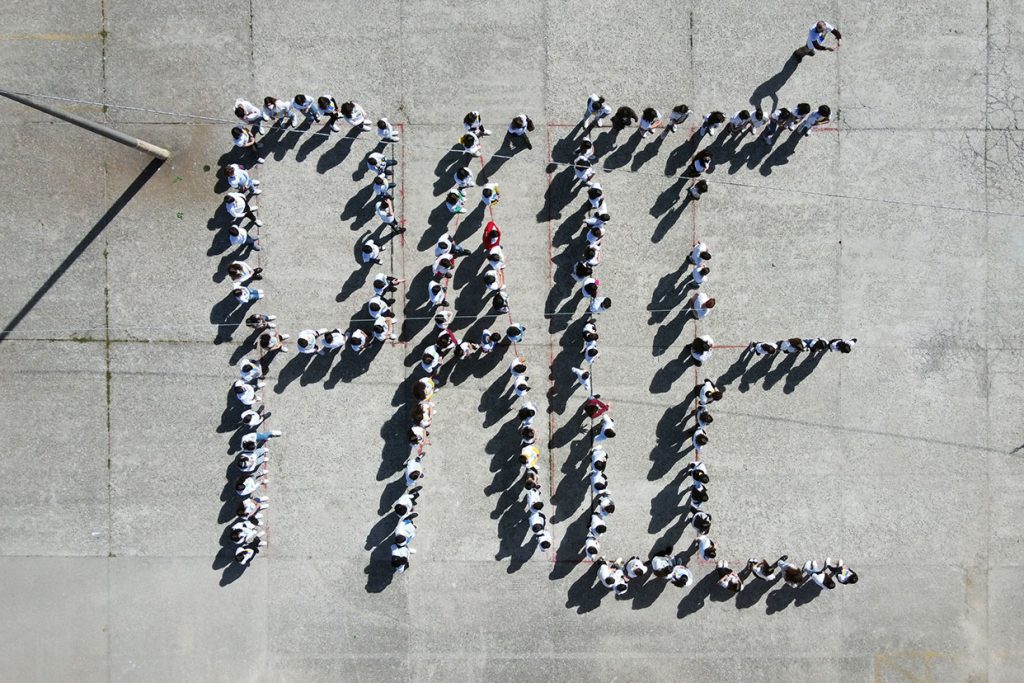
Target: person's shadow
(770,88)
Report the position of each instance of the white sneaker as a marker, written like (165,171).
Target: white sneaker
(600,123)
(261,160)
(276,432)
(257,191)
(336,128)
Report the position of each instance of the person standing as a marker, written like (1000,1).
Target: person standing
(597,108)
(816,41)
(624,116)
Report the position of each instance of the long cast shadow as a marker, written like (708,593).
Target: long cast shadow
(109,215)
(770,88)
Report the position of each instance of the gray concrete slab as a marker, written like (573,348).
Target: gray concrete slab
(902,457)
(56,480)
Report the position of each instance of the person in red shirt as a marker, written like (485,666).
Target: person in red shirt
(492,235)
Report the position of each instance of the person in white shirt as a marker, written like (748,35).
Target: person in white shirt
(701,521)
(583,170)
(470,144)
(680,576)
(245,553)
(385,132)
(597,524)
(544,539)
(238,208)
(385,209)
(245,532)
(474,123)
(249,462)
(370,252)
(709,393)
(306,341)
(384,330)
(331,340)
(598,459)
(679,113)
(250,370)
(597,108)
(700,440)
(240,179)
(698,470)
(241,272)
(842,573)
(329,107)
(763,348)
(763,570)
(711,123)
(700,305)
(378,307)
(650,119)
(273,110)
(400,557)
(247,295)
(490,194)
(600,304)
(703,417)
(514,333)
(243,139)
(792,574)
(521,386)
(239,236)
(430,361)
(246,393)
(792,345)
(436,294)
(248,484)
(604,503)
(357,340)
(379,164)
(405,530)
(592,548)
(606,430)
(385,284)
(590,352)
(463,178)
(842,345)
(520,126)
(596,198)
(382,186)
(248,112)
(800,111)
(355,115)
(413,471)
(706,548)
(821,115)
(585,149)
(700,349)
(728,579)
(304,106)
(816,41)
(533,500)
(455,202)
(253,418)
(636,568)
(661,562)
(739,122)
(598,482)
(699,254)
(779,119)
(537,521)
(607,573)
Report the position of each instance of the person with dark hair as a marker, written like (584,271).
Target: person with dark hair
(816,345)
(249,113)
(800,111)
(604,503)
(842,573)
(514,333)
(355,116)
(636,568)
(701,521)
(698,189)
(474,124)
(699,254)
(385,132)
(763,570)
(700,305)
(763,348)
(822,576)
(273,110)
(779,119)
(595,408)
(816,41)
(727,578)
(463,178)
(821,115)
(239,208)
(711,122)
(598,459)
(329,106)
(739,122)
(649,120)
(596,198)
(598,108)
(583,170)
(624,116)
(598,482)
(585,149)
(792,345)
(357,340)
(700,349)
(709,393)
(842,345)
(700,440)
(520,126)
(703,417)
(370,252)
(679,113)
(490,194)
(414,469)
(400,557)
(791,574)
(470,145)
(706,548)
(544,539)
(680,576)
(272,340)
(606,430)
(698,470)
(700,164)
(661,562)
(244,139)
(599,304)
(245,553)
